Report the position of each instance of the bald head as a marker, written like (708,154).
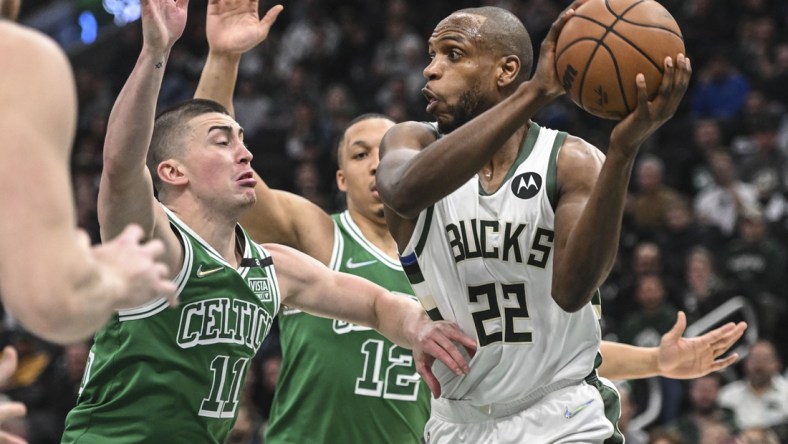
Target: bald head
(500,32)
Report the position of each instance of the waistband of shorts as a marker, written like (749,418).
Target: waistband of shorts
(459,411)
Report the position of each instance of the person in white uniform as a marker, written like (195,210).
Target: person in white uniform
(508,229)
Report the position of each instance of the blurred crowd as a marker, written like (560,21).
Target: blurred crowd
(706,222)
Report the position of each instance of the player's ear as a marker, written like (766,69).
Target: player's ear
(508,69)
(171,172)
(341,181)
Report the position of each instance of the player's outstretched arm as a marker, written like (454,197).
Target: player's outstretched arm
(308,285)
(50,280)
(232,27)
(126,190)
(676,357)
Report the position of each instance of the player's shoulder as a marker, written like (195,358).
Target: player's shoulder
(576,152)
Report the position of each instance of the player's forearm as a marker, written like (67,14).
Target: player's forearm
(592,245)
(621,361)
(398,318)
(448,162)
(218,78)
(130,125)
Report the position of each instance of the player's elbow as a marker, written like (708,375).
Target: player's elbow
(399,198)
(571,300)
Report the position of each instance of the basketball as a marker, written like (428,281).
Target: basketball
(606,44)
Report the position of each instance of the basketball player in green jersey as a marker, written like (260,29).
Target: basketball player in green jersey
(158,375)
(79,287)
(311,345)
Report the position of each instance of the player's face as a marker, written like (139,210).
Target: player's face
(360,159)
(218,163)
(461,75)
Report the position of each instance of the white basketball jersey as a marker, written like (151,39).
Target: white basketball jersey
(485,261)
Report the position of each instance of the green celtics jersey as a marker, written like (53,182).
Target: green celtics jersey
(162,375)
(343,383)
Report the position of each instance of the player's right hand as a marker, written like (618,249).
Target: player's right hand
(235,27)
(440,340)
(545,77)
(163,22)
(134,265)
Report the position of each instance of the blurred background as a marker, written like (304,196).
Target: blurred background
(706,224)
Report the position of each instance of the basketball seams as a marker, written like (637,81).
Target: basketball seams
(637,39)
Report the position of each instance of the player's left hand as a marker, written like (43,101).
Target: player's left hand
(440,340)
(687,358)
(235,27)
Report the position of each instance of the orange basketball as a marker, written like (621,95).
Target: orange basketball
(606,44)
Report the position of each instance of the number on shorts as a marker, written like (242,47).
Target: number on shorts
(396,381)
(516,308)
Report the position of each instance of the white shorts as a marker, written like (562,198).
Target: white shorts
(574,414)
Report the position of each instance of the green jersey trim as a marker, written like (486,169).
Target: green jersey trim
(552,169)
(525,150)
(355,232)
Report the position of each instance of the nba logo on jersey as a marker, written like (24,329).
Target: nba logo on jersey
(261,288)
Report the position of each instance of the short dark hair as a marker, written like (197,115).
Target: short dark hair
(504,34)
(361,118)
(169,129)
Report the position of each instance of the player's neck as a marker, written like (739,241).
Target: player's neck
(377,233)
(493,172)
(214,227)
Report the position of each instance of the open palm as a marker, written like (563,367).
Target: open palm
(234,26)
(163,22)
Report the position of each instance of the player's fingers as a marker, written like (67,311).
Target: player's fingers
(674,334)
(168,290)
(442,348)
(466,341)
(7,363)
(425,370)
(10,410)
(642,93)
(182,4)
(132,233)
(83,239)
(7,438)
(558,25)
(720,364)
(153,248)
(271,15)
(668,76)
(730,338)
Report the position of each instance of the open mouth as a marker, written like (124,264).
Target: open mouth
(432,99)
(247,179)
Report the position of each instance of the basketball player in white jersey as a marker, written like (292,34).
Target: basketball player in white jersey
(51,281)
(508,229)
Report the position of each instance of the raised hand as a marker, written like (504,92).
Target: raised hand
(648,116)
(687,358)
(163,22)
(545,76)
(140,278)
(234,26)
(439,340)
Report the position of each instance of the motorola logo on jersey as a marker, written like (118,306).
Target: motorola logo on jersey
(526,185)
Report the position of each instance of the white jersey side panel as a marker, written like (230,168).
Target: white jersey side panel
(486,262)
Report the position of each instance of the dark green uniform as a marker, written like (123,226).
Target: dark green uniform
(161,375)
(342,383)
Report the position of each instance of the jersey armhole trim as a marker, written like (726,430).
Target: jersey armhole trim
(552,170)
